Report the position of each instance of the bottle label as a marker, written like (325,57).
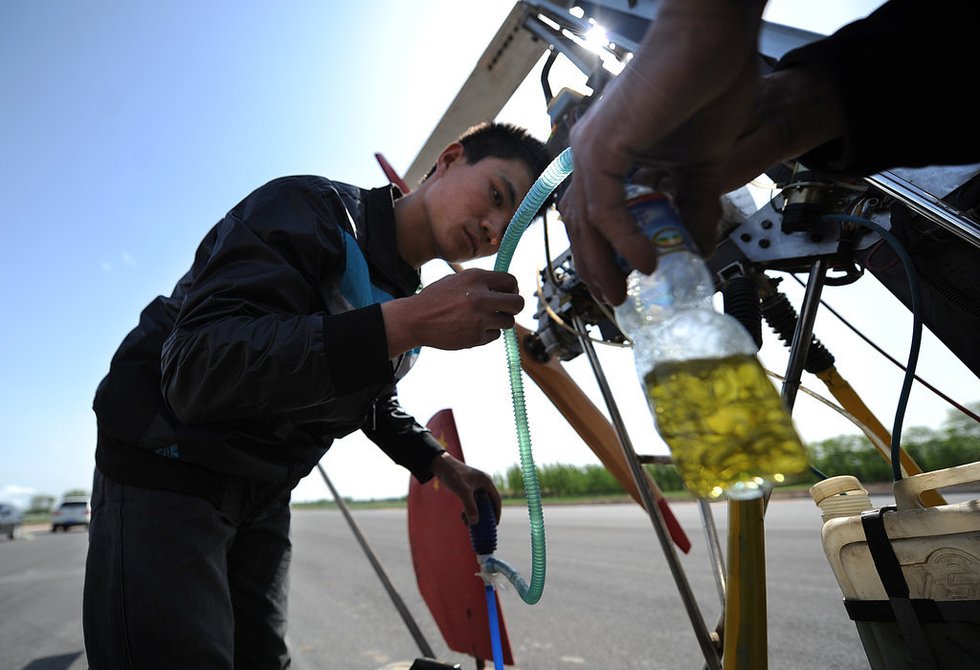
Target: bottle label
(657,218)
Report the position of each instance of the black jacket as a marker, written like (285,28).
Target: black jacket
(903,75)
(268,349)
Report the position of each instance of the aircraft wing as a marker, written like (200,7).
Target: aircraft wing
(527,34)
(507,61)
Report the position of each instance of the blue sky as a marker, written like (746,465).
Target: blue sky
(130,128)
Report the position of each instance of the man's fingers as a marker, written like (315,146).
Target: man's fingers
(500,321)
(595,263)
(470,511)
(491,335)
(601,231)
(505,303)
(502,282)
(495,499)
(698,200)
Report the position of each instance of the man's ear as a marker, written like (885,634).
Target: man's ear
(449,155)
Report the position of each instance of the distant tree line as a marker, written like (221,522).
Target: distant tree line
(559,480)
(44,502)
(956,442)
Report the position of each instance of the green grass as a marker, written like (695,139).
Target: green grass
(36,518)
(792,490)
(788,491)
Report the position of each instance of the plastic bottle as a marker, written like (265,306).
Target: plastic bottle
(728,431)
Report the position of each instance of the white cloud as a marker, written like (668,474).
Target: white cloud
(17,495)
(125,257)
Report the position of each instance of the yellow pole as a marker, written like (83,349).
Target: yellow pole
(849,400)
(746,622)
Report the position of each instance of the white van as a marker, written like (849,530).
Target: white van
(73,511)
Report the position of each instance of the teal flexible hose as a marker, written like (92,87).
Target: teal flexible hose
(549,180)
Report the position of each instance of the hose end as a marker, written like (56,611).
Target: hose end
(483,534)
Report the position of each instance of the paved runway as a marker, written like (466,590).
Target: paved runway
(609,600)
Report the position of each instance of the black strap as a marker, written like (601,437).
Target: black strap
(926,611)
(892,578)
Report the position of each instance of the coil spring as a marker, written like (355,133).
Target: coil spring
(782,318)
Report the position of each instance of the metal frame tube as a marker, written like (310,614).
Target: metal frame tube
(803,334)
(677,571)
(413,627)
(928,205)
(714,547)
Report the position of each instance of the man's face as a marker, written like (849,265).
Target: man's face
(470,205)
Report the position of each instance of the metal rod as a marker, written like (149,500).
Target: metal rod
(581,58)
(413,627)
(683,587)
(803,334)
(928,205)
(714,547)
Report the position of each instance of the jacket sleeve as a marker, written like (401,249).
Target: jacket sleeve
(252,336)
(401,437)
(902,75)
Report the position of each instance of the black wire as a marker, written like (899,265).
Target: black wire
(854,329)
(914,290)
(545,71)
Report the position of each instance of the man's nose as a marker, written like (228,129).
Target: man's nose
(493,228)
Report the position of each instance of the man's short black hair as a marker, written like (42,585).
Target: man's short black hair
(505,141)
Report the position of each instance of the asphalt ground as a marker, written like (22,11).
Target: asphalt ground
(609,599)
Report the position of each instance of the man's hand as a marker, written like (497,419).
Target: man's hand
(677,107)
(464,482)
(463,310)
(796,110)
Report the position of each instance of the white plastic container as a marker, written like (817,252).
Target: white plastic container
(841,496)
(938,549)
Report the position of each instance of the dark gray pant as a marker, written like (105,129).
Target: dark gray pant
(170,582)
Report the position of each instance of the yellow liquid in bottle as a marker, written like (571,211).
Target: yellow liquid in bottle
(726,426)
